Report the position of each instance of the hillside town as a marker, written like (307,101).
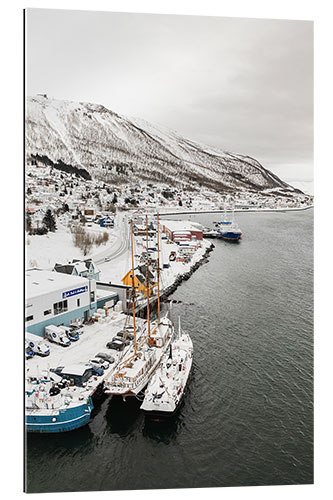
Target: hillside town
(71,198)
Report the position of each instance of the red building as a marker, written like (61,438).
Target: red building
(182,230)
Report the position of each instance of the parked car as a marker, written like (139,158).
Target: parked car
(117,344)
(71,334)
(105,356)
(77,328)
(125,334)
(58,369)
(99,363)
(97,371)
(172,256)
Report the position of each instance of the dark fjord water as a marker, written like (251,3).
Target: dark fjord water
(247,418)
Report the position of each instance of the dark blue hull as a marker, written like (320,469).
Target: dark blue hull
(66,419)
(231,236)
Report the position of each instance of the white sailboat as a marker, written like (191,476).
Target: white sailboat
(134,372)
(167,386)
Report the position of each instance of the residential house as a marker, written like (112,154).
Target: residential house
(84,268)
(139,280)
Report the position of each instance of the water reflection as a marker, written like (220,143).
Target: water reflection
(162,431)
(123,416)
(73,441)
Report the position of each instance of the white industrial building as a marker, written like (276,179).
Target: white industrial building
(54,298)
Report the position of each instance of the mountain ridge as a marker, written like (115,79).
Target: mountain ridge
(89,137)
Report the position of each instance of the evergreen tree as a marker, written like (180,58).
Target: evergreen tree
(49,221)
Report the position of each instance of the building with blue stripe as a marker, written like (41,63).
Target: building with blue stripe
(54,298)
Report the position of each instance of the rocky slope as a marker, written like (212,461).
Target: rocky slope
(96,142)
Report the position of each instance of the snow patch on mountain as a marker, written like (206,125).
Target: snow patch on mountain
(119,150)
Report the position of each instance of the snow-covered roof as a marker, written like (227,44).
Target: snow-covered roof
(181,225)
(76,369)
(80,267)
(40,282)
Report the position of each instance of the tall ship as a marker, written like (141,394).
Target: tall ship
(52,407)
(166,388)
(134,372)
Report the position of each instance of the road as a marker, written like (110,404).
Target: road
(114,261)
(120,245)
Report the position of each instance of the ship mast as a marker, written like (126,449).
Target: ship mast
(147,278)
(133,288)
(158,269)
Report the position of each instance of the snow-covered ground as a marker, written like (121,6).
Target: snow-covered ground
(92,341)
(113,258)
(58,247)
(115,269)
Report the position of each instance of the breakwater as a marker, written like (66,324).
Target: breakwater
(141,309)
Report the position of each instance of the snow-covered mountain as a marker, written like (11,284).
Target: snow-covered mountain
(96,142)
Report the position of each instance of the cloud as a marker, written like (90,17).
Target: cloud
(242,85)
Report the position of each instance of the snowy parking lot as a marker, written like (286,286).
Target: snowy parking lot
(92,341)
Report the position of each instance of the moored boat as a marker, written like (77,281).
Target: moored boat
(134,372)
(50,409)
(228,231)
(166,388)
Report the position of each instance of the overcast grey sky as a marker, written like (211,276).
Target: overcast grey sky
(242,85)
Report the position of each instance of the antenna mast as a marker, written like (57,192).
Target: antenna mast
(147,278)
(133,288)
(158,269)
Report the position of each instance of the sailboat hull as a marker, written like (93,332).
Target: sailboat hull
(160,415)
(138,383)
(166,390)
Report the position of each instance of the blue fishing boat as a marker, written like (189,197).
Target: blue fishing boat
(50,409)
(228,231)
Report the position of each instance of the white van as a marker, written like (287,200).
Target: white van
(37,344)
(71,334)
(57,335)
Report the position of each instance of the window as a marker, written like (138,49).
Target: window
(60,307)
(29,318)
(78,302)
(47,312)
